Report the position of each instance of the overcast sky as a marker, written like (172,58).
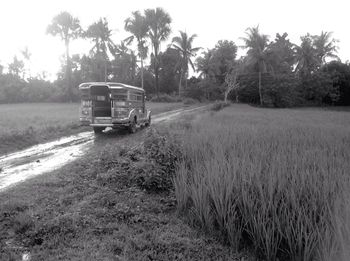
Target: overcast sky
(23,23)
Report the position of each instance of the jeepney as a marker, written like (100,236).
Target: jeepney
(115,105)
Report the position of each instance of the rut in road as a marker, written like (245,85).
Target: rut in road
(43,158)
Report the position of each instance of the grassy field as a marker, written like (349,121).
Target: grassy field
(274,180)
(113,204)
(222,185)
(22,125)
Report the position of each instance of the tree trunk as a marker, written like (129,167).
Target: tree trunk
(180,84)
(68,73)
(260,91)
(105,70)
(156,69)
(225,97)
(142,73)
(156,73)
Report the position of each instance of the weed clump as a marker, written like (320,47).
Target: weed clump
(150,166)
(155,171)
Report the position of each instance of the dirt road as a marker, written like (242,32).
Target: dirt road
(43,158)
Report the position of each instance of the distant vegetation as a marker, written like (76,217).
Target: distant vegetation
(273,73)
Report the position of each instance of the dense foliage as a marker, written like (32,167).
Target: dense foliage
(273,73)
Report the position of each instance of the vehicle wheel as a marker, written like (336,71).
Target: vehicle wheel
(148,123)
(98,130)
(132,127)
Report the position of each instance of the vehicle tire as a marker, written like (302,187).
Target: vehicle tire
(148,123)
(132,127)
(98,130)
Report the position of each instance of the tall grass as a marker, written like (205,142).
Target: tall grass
(277,180)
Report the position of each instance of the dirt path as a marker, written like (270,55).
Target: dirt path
(43,158)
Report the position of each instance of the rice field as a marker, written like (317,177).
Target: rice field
(276,181)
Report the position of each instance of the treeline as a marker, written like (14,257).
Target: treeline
(273,73)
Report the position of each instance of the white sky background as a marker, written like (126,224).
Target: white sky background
(23,23)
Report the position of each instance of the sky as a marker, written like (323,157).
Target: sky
(23,23)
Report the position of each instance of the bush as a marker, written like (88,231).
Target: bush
(151,166)
(189,101)
(163,150)
(281,92)
(219,105)
(165,98)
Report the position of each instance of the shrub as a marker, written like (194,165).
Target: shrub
(165,98)
(189,101)
(148,176)
(282,91)
(150,166)
(219,105)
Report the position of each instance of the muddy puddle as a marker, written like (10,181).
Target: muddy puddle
(46,157)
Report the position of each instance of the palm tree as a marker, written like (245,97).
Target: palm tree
(325,46)
(183,44)
(306,56)
(204,64)
(126,62)
(159,30)
(68,28)
(138,27)
(100,35)
(257,55)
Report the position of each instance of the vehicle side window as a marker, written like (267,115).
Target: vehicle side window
(132,97)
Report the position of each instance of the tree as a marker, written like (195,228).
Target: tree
(325,46)
(16,67)
(223,59)
(68,28)
(124,65)
(257,55)
(231,79)
(340,75)
(183,44)
(282,55)
(138,27)
(26,55)
(100,34)
(169,70)
(204,64)
(306,56)
(159,30)
(215,64)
